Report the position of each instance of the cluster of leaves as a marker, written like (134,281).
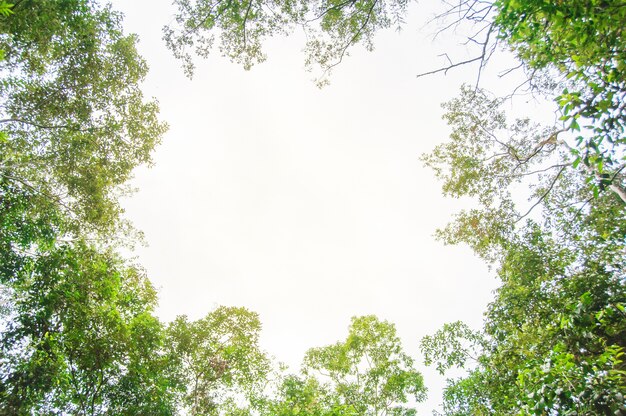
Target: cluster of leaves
(572,53)
(332,27)
(242,27)
(220,362)
(75,119)
(77,334)
(77,330)
(553,340)
(367,374)
(583,43)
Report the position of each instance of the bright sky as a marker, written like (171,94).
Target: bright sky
(307,206)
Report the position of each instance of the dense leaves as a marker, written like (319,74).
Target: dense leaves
(75,119)
(219,361)
(77,331)
(553,341)
(79,336)
(369,372)
(582,42)
(554,336)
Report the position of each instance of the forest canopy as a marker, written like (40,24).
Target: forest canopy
(78,329)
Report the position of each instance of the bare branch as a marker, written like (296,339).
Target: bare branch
(545,194)
(449,67)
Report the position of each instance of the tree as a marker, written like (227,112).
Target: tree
(487,157)
(219,360)
(79,337)
(73,114)
(553,341)
(571,53)
(301,395)
(367,374)
(580,42)
(553,336)
(77,331)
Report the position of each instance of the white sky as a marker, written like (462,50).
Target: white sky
(307,206)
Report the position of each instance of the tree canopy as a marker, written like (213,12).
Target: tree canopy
(572,52)
(220,362)
(75,119)
(332,27)
(368,374)
(78,332)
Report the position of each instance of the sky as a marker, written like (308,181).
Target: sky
(305,205)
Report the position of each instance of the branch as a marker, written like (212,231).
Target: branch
(508,71)
(352,40)
(335,7)
(41,126)
(51,197)
(484,57)
(618,189)
(545,194)
(449,67)
(204,19)
(245,20)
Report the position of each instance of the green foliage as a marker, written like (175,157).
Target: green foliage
(5,11)
(305,396)
(554,336)
(80,336)
(553,341)
(367,374)
(485,158)
(75,120)
(546,347)
(242,25)
(77,333)
(490,159)
(582,44)
(220,362)
(77,330)
(6,8)
(332,27)
(343,24)
(451,346)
